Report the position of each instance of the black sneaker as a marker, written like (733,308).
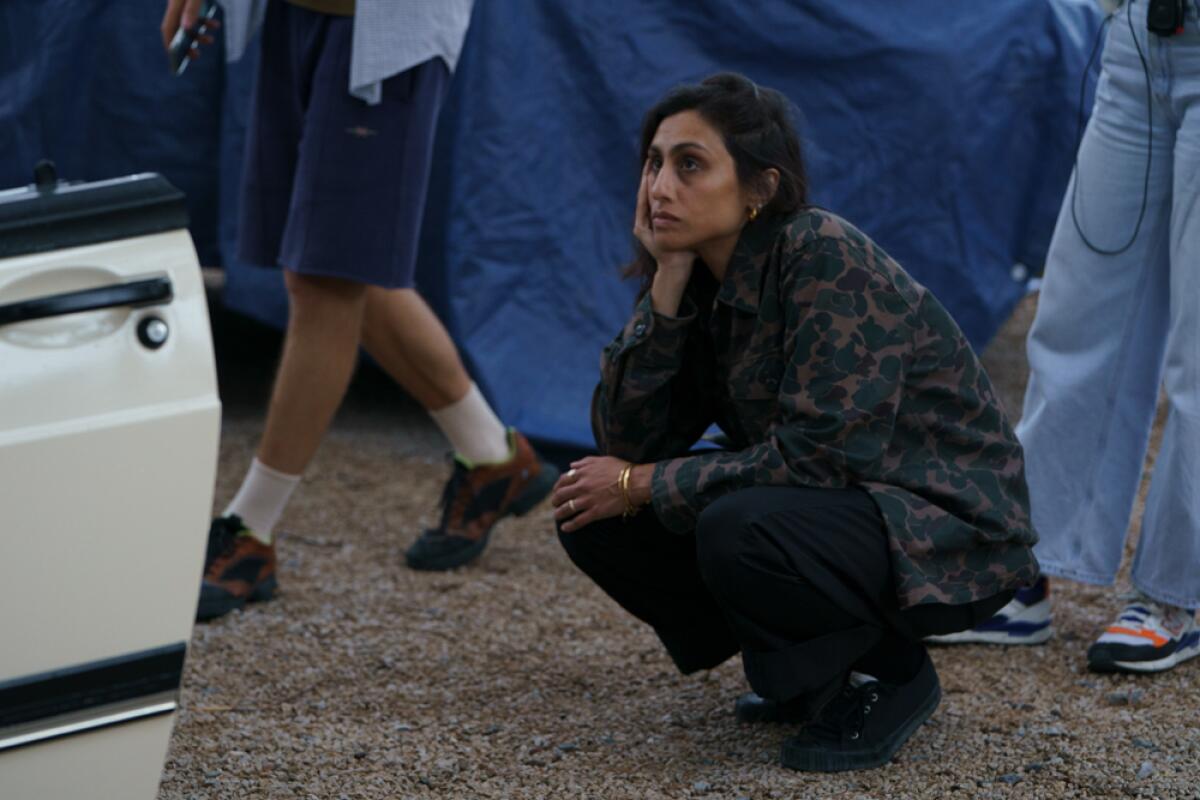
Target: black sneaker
(238,569)
(752,707)
(475,499)
(865,725)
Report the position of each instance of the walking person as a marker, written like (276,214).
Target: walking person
(873,492)
(338,157)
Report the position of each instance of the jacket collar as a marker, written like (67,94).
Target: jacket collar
(742,286)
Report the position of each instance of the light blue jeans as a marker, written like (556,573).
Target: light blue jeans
(1111,328)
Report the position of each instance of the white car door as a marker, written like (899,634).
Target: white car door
(109,424)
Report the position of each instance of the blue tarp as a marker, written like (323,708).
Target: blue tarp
(946,131)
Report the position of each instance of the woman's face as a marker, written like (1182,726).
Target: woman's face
(695,198)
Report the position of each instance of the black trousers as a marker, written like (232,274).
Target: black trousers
(798,580)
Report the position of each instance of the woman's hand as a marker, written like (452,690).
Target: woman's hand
(674,266)
(590,491)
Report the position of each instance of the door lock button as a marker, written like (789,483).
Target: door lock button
(152,332)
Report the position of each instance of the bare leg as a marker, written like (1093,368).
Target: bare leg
(403,334)
(319,355)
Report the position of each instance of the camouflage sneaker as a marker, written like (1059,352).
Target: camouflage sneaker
(237,569)
(475,499)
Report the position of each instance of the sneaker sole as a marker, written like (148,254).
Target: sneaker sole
(222,605)
(992,637)
(1157,665)
(448,561)
(805,761)
(522,504)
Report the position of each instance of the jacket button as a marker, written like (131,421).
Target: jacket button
(639,329)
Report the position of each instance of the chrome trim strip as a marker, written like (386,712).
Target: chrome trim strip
(94,719)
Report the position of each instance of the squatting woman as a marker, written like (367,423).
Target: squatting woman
(871,491)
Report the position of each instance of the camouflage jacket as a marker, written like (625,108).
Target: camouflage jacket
(826,365)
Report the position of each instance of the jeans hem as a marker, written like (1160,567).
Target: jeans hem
(1165,597)
(1059,571)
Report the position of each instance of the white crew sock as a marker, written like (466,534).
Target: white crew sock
(262,498)
(474,430)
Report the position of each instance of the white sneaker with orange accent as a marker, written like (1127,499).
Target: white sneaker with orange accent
(1148,636)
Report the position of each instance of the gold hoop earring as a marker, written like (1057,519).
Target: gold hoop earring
(753,213)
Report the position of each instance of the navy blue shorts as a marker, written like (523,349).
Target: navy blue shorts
(331,185)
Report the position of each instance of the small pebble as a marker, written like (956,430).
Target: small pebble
(1129,697)
(1145,744)
(701,786)
(1146,771)
(568,747)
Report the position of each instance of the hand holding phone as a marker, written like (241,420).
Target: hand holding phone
(185,43)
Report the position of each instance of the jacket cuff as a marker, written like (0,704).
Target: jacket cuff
(667,499)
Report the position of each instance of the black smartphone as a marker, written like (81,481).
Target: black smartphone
(185,40)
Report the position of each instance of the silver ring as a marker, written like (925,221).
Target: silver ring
(570,473)
(571,505)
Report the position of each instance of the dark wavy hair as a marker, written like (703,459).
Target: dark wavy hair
(756,125)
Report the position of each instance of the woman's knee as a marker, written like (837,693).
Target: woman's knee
(585,545)
(722,531)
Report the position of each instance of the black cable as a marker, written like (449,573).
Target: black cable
(1149,138)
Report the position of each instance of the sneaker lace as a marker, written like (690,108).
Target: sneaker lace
(846,715)
(1139,608)
(453,498)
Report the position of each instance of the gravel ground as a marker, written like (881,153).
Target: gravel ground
(518,678)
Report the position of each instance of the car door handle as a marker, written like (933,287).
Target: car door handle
(146,292)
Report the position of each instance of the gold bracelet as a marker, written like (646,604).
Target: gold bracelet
(630,508)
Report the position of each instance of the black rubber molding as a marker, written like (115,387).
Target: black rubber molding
(38,219)
(87,686)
